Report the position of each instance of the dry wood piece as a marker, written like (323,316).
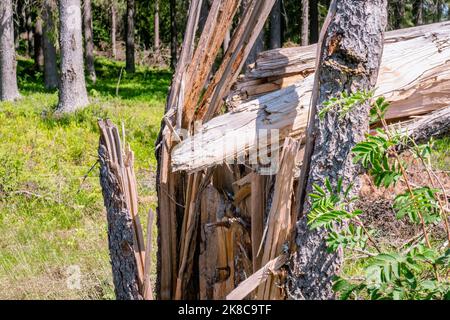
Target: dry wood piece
(251,283)
(279,223)
(412,88)
(125,235)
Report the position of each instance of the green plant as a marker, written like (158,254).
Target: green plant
(417,269)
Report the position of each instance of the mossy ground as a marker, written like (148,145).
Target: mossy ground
(52,218)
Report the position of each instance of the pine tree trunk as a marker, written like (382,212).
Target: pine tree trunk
(305,23)
(275,26)
(313,21)
(72,93)
(48,37)
(439,9)
(349,60)
(173,34)
(113,31)
(38,50)
(129,34)
(89,40)
(8,81)
(157,25)
(418,12)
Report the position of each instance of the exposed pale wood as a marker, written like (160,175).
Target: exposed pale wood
(240,46)
(258,207)
(257,278)
(148,294)
(414,81)
(219,21)
(279,222)
(166,180)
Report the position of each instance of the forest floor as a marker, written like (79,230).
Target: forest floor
(52,220)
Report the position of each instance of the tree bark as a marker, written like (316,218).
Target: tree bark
(157,25)
(439,9)
(89,40)
(313,21)
(72,93)
(121,236)
(173,34)
(113,30)
(48,37)
(8,81)
(418,12)
(38,50)
(275,26)
(305,23)
(130,63)
(349,60)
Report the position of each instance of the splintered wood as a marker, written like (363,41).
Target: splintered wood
(130,272)
(414,77)
(226,218)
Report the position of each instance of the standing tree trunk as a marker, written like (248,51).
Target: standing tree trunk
(89,40)
(130,66)
(157,26)
(439,9)
(38,50)
(173,34)
(349,57)
(313,21)
(113,30)
(399,13)
(418,12)
(305,23)
(275,26)
(8,81)
(48,37)
(72,93)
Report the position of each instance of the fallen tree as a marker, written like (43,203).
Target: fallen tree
(414,81)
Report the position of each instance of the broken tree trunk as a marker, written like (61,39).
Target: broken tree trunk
(130,269)
(349,58)
(412,88)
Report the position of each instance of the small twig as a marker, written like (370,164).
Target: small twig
(86,175)
(118,82)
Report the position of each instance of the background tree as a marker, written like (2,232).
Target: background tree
(275,25)
(129,37)
(49,38)
(173,34)
(8,81)
(157,26)
(313,21)
(72,91)
(305,23)
(38,45)
(89,40)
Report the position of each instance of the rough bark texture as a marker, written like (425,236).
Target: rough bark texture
(72,93)
(349,60)
(275,26)
(38,50)
(156,25)
(173,34)
(120,228)
(49,35)
(130,66)
(113,30)
(8,81)
(89,40)
(305,23)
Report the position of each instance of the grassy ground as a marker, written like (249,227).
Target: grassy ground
(52,221)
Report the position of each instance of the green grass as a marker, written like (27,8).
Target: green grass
(49,218)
